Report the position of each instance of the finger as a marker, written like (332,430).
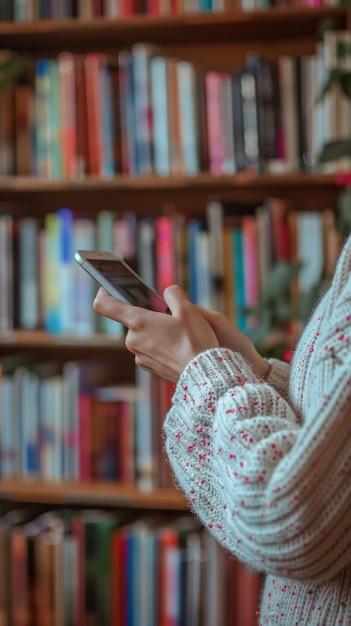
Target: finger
(111,307)
(176,298)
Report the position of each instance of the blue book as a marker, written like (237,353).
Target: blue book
(42,119)
(107,123)
(206,6)
(195,227)
(65,270)
(238,256)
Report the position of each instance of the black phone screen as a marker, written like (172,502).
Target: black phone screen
(129,286)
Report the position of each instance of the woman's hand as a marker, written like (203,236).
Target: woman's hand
(162,344)
(229,336)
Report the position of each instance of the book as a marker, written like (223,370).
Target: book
(310,249)
(84,238)
(24,127)
(187,92)
(28,273)
(159,99)
(51,274)
(68,136)
(141,56)
(288,100)
(129,153)
(214,122)
(93,64)
(65,270)
(165,253)
(6,273)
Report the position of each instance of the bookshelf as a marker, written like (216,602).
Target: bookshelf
(211,41)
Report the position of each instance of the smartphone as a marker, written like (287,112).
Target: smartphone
(119,279)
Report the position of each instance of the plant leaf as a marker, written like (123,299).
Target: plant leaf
(333,78)
(345,83)
(334,150)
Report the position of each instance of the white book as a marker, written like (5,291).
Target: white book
(193,555)
(186,76)
(51,411)
(310,249)
(203,276)
(113,8)
(28,229)
(145,432)
(214,582)
(70,420)
(22,11)
(160,115)
(85,288)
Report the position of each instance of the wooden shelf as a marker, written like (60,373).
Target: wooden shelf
(88,494)
(277,23)
(25,185)
(42,339)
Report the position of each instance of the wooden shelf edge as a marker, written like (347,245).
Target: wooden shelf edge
(186,28)
(88,494)
(42,339)
(18,185)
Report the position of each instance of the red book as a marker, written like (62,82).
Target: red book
(166,272)
(66,69)
(24,129)
(128,7)
(84,437)
(154,7)
(119,578)
(168,542)
(92,64)
(82,118)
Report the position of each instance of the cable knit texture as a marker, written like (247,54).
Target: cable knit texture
(266,464)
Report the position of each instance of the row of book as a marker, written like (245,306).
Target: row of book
(27,10)
(222,260)
(93,567)
(72,421)
(145,113)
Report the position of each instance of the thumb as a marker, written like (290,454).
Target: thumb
(175,298)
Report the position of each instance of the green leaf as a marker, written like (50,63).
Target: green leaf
(345,84)
(333,79)
(9,69)
(334,150)
(279,279)
(344,212)
(327,24)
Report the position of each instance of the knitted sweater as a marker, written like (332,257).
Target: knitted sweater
(266,464)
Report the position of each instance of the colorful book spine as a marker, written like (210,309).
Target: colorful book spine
(160,116)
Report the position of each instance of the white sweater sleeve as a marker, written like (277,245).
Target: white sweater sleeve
(274,492)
